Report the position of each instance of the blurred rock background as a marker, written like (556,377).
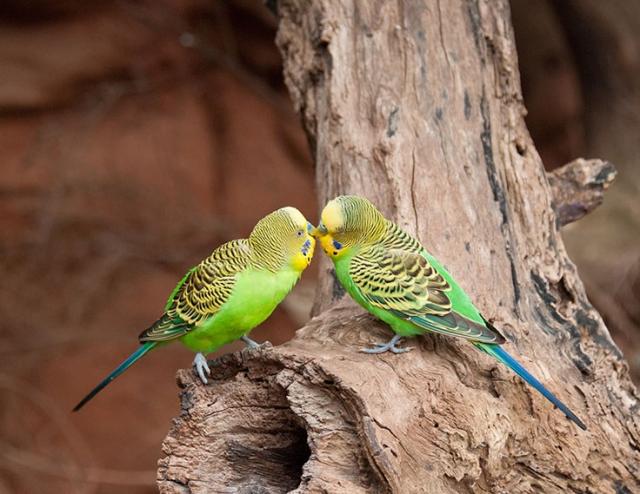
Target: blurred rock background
(580,69)
(137,135)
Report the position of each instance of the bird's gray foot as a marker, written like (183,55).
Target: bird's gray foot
(390,346)
(250,343)
(201,367)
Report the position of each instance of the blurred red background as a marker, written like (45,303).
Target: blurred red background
(137,136)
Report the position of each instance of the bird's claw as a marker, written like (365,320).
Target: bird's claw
(385,348)
(202,367)
(390,346)
(395,349)
(250,343)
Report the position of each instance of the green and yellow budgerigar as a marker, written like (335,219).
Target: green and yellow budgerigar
(390,274)
(229,293)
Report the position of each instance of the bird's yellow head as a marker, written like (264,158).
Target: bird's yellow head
(348,222)
(283,238)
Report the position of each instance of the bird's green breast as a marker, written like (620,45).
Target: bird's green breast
(256,293)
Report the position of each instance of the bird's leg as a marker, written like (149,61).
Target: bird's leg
(201,367)
(390,346)
(250,343)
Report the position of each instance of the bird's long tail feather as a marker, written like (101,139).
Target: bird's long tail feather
(132,359)
(499,353)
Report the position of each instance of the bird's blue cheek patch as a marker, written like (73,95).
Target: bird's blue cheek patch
(336,247)
(306,246)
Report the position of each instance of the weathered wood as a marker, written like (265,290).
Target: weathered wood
(577,188)
(417,106)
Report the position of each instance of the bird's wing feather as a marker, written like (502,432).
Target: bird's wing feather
(201,293)
(409,286)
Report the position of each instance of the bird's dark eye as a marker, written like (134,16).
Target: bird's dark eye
(299,233)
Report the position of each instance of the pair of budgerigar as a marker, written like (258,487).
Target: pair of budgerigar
(384,269)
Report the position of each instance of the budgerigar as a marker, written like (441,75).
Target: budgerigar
(390,274)
(229,293)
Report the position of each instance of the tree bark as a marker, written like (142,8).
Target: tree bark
(416,105)
(577,188)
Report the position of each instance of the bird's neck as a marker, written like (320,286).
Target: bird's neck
(267,257)
(395,237)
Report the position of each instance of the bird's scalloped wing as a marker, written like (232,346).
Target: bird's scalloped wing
(201,293)
(409,286)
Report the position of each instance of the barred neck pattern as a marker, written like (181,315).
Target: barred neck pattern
(268,241)
(361,216)
(396,238)
(267,256)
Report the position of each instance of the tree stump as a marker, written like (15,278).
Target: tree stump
(416,105)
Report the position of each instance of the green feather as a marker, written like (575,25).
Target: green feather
(412,293)
(177,288)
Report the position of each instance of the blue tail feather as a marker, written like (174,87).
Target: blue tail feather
(132,359)
(502,355)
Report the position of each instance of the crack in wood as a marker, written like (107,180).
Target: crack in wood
(499,196)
